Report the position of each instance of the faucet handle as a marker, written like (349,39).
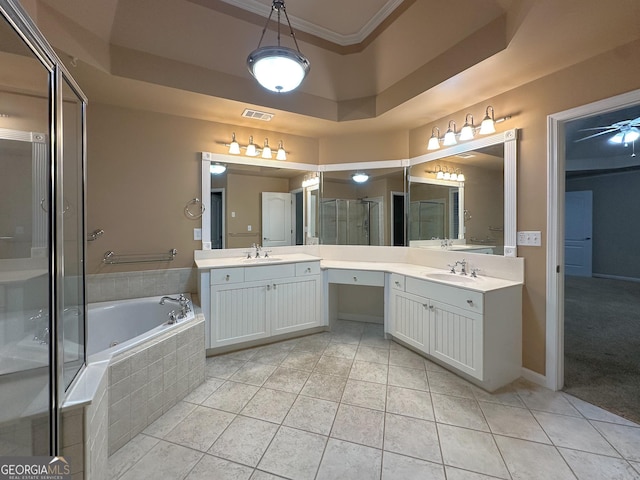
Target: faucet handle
(452,267)
(474,272)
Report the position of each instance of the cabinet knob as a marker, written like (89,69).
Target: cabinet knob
(274,286)
(397,284)
(226,278)
(355,279)
(425,305)
(470,302)
(431,307)
(268,287)
(308,269)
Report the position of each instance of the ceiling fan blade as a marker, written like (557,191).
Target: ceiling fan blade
(614,127)
(595,135)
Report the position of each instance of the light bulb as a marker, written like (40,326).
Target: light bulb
(434,142)
(281,154)
(450,136)
(217,169)
(488,124)
(360,177)
(461,177)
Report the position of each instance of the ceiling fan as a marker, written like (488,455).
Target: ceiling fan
(627,131)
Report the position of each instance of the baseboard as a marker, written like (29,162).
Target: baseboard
(616,277)
(534,377)
(359,317)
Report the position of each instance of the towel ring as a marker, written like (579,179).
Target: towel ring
(189,213)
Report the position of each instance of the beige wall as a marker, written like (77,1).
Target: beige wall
(606,75)
(144,167)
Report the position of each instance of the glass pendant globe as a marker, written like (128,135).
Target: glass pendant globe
(279,69)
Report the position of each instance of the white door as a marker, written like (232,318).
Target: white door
(276,219)
(578,233)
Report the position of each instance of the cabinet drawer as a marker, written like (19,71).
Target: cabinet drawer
(356,277)
(307,268)
(396,282)
(221,276)
(458,297)
(269,272)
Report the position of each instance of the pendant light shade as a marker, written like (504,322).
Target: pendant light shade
(434,141)
(467,131)
(450,136)
(266,151)
(234,146)
(360,177)
(488,124)
(252,151)
(281,154)
(217,168)
(277,68)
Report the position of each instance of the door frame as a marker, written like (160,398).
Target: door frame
(554,362)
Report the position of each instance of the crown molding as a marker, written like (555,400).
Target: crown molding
(258,8)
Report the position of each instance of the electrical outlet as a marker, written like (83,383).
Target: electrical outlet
(529,238)
(248,228)
(197,234)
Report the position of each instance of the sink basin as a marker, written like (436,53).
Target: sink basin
(262,260)
(450,277)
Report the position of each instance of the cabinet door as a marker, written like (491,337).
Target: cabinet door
(456,338)
(239,313)
(410,319)
(295,304)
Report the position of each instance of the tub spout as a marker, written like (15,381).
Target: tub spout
(182,301)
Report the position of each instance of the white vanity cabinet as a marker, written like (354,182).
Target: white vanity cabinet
(476,333)
(254,302)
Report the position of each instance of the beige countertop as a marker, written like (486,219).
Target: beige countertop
(274,259)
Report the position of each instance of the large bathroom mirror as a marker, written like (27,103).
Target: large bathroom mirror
(463,198)
(370,212)
(257,201)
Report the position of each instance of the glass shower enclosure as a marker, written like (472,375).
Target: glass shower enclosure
(351,222)
(42,298)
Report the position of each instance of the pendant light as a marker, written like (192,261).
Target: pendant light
(360,177)
(277,68)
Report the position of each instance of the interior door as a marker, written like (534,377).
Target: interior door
(276,219)
(578,233)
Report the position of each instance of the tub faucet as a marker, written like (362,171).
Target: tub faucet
(182,301)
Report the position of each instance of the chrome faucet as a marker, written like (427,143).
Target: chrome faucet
(258,248)
(463,264)
(182,301)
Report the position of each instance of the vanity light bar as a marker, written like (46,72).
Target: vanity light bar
(467,132)
(252,150)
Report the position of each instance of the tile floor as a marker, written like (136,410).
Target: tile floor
(351,405)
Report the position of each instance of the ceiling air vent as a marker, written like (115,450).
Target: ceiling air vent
(256,115)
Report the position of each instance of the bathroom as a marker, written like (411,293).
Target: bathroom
(144,167)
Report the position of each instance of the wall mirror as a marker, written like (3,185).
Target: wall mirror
(368,213)
(475,212)
(256,201)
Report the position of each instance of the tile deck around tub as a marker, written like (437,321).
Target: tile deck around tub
(351,405)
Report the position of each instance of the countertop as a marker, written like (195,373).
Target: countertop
(479,284)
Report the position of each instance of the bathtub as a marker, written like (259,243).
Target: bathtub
(114,327)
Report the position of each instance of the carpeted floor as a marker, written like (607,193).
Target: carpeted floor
(602,343)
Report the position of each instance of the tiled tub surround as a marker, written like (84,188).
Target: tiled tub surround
(349,404)
(148,380)
(105,287)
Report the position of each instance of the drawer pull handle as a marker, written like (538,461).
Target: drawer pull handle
(425,305)
(274,286)
(268,287)
(355,279)
(431,307)
(226,278)
(308,269)
(470,302)
(397,284)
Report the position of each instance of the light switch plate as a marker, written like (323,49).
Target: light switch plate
(197,234)
(248,228)
(529,238)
